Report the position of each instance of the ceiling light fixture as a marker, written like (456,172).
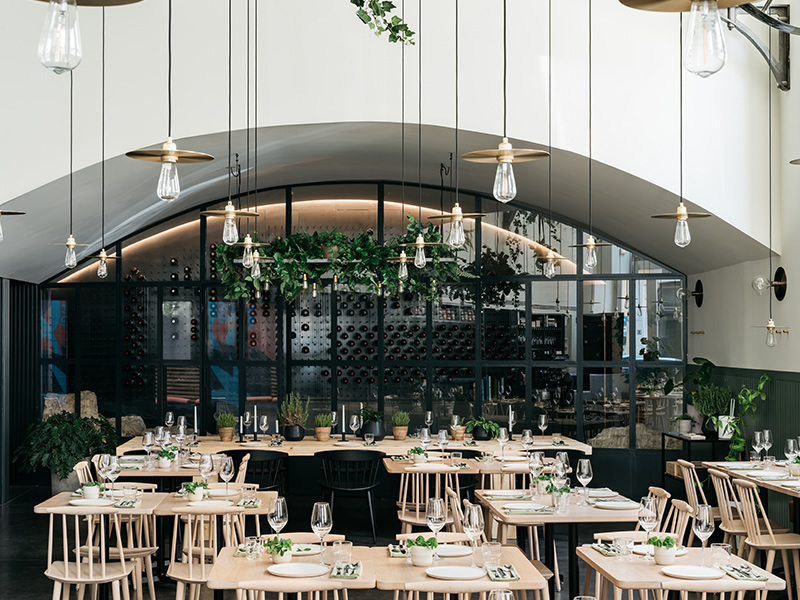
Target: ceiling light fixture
(71,259)
(683,236)
(169,187)
(505,186)
(8,213)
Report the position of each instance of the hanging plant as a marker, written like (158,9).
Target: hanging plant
(377,15)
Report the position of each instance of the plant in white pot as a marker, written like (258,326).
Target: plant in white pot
(684,423)
(664,549)
(91,490)
(280,549)
(165,458)
(195,490)
(421,550)
(418,455)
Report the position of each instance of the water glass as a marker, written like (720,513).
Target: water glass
(342,552)
(769,462)
(492,554)
(129,491)
(703,527)
(456,456)
(720,555)
(561,502)
(556,438)
(624,546)
(369,438)
(467,439)
(755,457)
(253,547)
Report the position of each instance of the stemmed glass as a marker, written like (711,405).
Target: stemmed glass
(102,466)
(263,424)
(584,475)
(435,515)
(424,438)
(355,423)
(543,423)
(526,439)
(148,442)
(535,467)
(560,473)
(428,418)
(442,440)
(113,472)
(206,467)
(321,521)
(247,419)
(502,439)
(181,422)
(703,527)
(790,449)
(563,458)
(226,472)
(767,441)
(512,420)
(648,518)
(278,515)
(758,442)
(473,525)
(334,419)
(169,419)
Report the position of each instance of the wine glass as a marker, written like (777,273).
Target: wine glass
(355,423)
(502,439)
(442,440)
(226,472)
(561,474)
(435,516)
(206,467)
(648,518)
(703,527)
(527,439)
(424,438)
(263,424)
(113,472)
(767,441)
(334,419)
(563,458)
(758,442)
(473,525)
(584,475)
(149,442)
(247,419)
(278,515)
(543,423)
(512,420)
(321,521)
(181,422)
(428,418)
(169,419)
(790,449)
(102,466)
(536,468)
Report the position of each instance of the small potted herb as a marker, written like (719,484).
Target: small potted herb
(372,422)
(280,549)
(664,549)
(421,550)
(322,426)
(165,458)
(293,415)
(226,423)
(684,422)
(481,429)
(195,490)
(418,455)
(91,490)
(400,421)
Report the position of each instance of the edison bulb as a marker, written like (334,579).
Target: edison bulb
(1,233)
(550,265)
(102,269)
(704,50)
(230,235)
(590,261)
(760,284)
(682,236)
(169,186)
(247,258)
(402,272)
(505,186)
(457,237)
(60,41)
(558,305)
(419,258)
(255,271)
(313,290)
(771,338)
(71,259)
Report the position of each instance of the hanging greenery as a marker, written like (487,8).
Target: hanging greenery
(358,261)
(377,15)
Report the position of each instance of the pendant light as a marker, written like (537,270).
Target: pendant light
(505,186)
(71,259)
(230,233)
(591,244)
(8,213)
(682,235)
(456,238)
(168,155)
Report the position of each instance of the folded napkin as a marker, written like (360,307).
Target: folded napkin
(400,458)
(346,570)
(531,511)
(278,445)
(522,496)
(181,493)
(131,467)
(397,551)
(460,465)
(470,443)
(606,549)
(561,443)
(254,503)
(127,503)
(502,573)
(743,573)
(240,551)
(366,444)
(774,478)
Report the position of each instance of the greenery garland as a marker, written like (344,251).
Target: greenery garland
(377,15)
(357,261)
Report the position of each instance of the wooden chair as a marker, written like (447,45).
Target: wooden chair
(71,569)
(242,472)
(662,497)
(84,472)
(694,492)
(767,541)
(419,483)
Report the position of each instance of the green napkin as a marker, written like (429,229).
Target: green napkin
(254,503)
(278,445)
(366,444)
(400,458)
(127,503)
(606,549)
(531,511)
(346,570)
(131,467)
(743,573)
(774,478)
(397,551)
(522,496)
(470,443)
(502,573)
(240,551)
(461,465)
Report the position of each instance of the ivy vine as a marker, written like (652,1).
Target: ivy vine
(377,15)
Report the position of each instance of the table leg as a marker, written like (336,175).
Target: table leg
(573,558)
(796,511)
(549,556)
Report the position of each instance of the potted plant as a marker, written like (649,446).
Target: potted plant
(372,422)
(418,455)
(664,549)
(400,421)
(421,550)
(559,495)
(735,424)
(91,490)
(195,490)
(322,426)
(481,429)
(280,549)
(165,458)
(293,414)
(457,430)
(684,423)
(62,441)
(712,401)
(226,423)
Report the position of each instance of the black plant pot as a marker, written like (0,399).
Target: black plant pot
(375,429)
(709,429)
(479,433)
(293,433)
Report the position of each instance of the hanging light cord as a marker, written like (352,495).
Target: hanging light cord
(230,95)
(255,110)
(456,169)
(505,67)
(71,89)
(247,121)
(103,132)
(419,125)
(590,117)
(550,122)
(403,128)
(680,103)
(169,70)
(769,85)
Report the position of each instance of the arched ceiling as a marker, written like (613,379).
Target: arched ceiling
(33,248)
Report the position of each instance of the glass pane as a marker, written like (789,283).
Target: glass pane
(310,327)
(405,332)
(224,384)
(614,259)
(58,388)
(183,390)
(454,324)
(404,389)
(504,326)
(222,328)
(552,321)
(554,395)
(262,328)
(98,329)
(180,316)
(358,383)
(139,319)
(99,393)
(262,393)
(656,411)
(309,382)
(58,315)
(139,407)
(659,320)
(167,252)
(605,320)
(606,413)
(503,390)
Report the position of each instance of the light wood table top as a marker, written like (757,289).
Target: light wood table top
(636,573)
(211,444)
(150,502)
(755,475)
(172,501)
(231,572)
(394,467)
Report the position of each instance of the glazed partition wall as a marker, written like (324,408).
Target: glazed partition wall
(592,350)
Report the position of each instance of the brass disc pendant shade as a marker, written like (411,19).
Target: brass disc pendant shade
(675,5)
(504,153)
(229,212)
(169,153)
(681,214)
(101,2)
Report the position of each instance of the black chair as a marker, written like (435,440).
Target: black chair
(468,483)
(351,471)
(267,468)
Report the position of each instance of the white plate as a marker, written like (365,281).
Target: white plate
(542,443)
(133,459)
(190,465)
(692,572)
(642,549)
(790,482)
(92,502)
(455,573)
(297,569)
(211,503)
(523,506)
(513,458)
(598,493)
(254,444)
(453,550)
(306,549)
(347,443)
(434,458)
(509,493)
(617,505)
(220,493)
(739,465)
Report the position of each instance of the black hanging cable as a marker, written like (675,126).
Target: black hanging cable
(456,164)
(230,81)
(403,128)
(103,132)
(247,124)
(680,103)
(419,115)
(71,119)
(550,123)
(505,66)
(769,85)
(169,69)
(590,117)
(255,112)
